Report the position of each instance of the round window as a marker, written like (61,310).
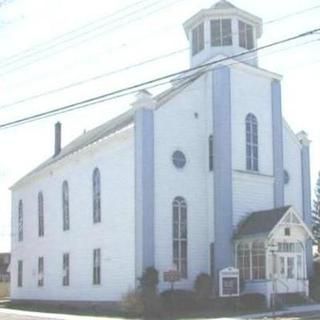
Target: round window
(286,177)
(179,159)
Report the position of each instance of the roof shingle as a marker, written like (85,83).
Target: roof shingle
(261,222)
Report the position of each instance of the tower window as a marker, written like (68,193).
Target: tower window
(221,32)
(245,35)
(197,39)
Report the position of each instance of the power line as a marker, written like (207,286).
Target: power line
(85,26)
(47,52)
(99,76)
(153,82)
(292,14)
(30,53)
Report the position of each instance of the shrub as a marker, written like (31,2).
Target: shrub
(253,301)
(178,300)
(150,299)
(132,303)
(203,289)
(314,284)
(149,279)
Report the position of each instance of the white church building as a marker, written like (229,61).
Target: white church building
(203,176)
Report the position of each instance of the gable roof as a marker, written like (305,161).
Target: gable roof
(111,126)
(261,222)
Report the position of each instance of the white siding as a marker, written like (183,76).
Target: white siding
(292,163)
(251,93)
(114,235)
(250,193)
(176,127)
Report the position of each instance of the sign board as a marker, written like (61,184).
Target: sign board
(229,283)
(171,276)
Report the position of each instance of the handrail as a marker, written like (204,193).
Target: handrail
(283,282)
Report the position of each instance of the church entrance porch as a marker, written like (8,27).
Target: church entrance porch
(270,253)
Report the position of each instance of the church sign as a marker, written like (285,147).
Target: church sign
(171,276)
(229,284)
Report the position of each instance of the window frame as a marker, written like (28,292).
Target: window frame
(252,142)
(246,35)
(66,269)
(40,214)
(180,235)
(258,260)
(40,271)
(197,35)
(65,206)
(244,260)
(96,266)
(211,152)
(217,29)
(20,274)
(96,189)
(20,221)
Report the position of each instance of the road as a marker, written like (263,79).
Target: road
(6,314)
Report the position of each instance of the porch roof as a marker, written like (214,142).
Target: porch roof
(261,222)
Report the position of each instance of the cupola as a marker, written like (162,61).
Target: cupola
(223,29)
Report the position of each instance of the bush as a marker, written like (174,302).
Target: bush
(253,301)
(314,284)
(178,300)
(203,289)
(149,293)
(132,303)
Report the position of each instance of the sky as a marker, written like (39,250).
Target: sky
(47,45)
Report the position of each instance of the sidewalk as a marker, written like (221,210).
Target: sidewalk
(53,316)
(295,310)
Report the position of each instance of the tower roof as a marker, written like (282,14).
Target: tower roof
(223,4)
(220,9)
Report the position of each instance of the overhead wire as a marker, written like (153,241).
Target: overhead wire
(106,74)
(128,90)
(48,51)
(71,32)
(3,64)
(274,20)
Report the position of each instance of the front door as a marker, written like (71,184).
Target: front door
(290,272)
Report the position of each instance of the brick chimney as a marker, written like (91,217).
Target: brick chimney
(57,138)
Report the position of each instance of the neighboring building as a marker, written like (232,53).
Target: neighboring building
(4,275)
(4,267)
(205,175)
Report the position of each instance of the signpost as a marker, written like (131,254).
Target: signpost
(171,276)
(229,283)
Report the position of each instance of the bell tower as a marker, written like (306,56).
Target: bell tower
(223,29)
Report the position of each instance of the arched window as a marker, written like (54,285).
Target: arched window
(20,221)
(65,205)
(258,260)
(180,235)
(96,195)
(252,142)
(210,152)
(40,215)
(243,260)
